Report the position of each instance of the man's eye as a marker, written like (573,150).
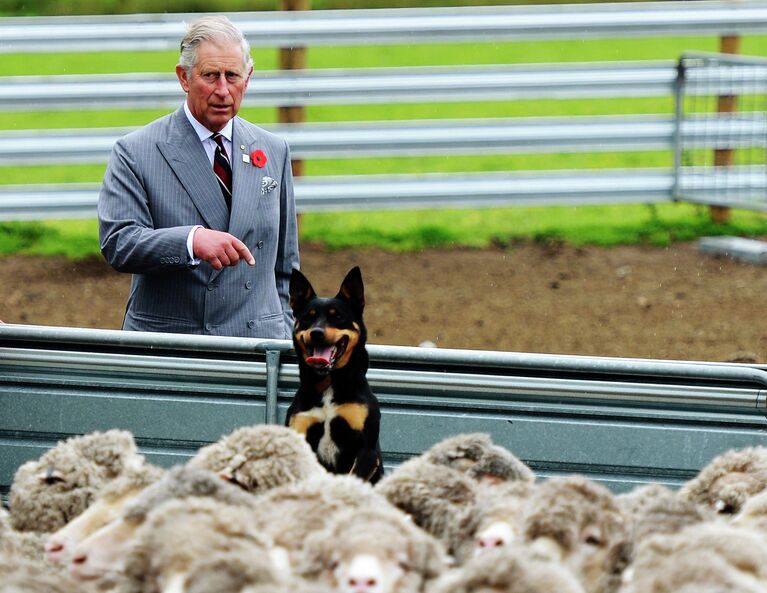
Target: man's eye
(210,76)
(233,77)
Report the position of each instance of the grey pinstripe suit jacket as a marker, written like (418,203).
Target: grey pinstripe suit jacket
(158,184)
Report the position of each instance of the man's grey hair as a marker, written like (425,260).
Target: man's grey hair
(215,29)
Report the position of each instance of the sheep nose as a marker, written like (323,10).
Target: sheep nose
(362,584)
(491,542)
(52,546)
(80,558)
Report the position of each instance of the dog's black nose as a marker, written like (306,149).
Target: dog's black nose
(317,334)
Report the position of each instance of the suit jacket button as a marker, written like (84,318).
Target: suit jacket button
(211,286)
(249,284)
(176,260)
(251,324)
(208,327)
(260,244)
(163,261)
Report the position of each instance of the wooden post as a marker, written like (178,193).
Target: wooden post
(293,58)
(725,157)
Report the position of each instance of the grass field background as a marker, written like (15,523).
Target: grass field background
(600,225)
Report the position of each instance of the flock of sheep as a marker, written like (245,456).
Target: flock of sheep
(256,513)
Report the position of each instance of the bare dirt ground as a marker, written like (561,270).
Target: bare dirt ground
(664,303)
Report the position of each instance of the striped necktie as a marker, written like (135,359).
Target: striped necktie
(223,169)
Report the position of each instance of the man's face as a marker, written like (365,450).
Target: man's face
(216,83)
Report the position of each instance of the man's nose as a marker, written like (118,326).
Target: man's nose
(222,87)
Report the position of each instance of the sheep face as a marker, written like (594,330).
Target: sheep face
(367,573)
(372,551)
(578,522)
(499,508)
(49,492)
(60,546)
(101,555)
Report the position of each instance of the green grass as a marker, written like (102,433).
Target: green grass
(411,229)
(420,229)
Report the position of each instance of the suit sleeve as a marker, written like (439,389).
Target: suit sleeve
(287,250)
(128,238)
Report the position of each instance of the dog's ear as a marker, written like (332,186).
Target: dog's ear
(301,291)
(352,289)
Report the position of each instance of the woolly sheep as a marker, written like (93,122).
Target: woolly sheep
(703,553)
(29,580)
(289,513)
(370,550)
(21,544)
(48,492)
(753,514)
(101,554)
(260,457)
(476,455)
(726,483)
(511,569)
(499,510)
(111,500)
(180,532)
(233,572)
(636,500)
(668,513)
(441,500)
(694,572)
(577,521)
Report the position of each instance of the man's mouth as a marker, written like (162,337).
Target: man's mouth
(322,357)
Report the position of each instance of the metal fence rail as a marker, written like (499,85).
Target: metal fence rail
(353,86)
(424,137)
(378,192)
(622,421)
(364,27)
(375,192)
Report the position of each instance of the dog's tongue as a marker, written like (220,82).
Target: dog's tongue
(321,355)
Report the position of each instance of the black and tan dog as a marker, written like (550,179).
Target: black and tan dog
(334,407)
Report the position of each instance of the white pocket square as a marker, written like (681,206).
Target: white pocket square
(267,185)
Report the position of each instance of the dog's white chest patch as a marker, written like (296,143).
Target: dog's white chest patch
(327,450)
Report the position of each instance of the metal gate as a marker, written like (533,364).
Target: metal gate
(720,143)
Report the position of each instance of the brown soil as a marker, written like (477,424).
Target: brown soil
(670,303)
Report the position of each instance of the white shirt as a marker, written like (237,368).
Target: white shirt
(206,137)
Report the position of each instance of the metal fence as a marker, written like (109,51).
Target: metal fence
(388,26)
(392,85)
(732,91)
(620,421)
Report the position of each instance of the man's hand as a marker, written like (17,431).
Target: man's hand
(220,249)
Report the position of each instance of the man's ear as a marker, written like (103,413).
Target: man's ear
(181,73)
(301,291)
(352,289)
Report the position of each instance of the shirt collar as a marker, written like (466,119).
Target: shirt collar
(204,133)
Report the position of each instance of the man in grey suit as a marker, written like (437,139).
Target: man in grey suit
(198,205)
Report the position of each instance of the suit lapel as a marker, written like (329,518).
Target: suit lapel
(185,154)
(246,181)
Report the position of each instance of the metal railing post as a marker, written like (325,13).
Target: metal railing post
(678,119)
(272,377)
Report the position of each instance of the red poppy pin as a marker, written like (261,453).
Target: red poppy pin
(258,158)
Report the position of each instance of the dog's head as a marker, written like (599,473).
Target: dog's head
(328,331)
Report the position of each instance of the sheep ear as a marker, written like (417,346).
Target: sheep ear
(300,291)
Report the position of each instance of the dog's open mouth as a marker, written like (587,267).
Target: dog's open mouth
(323,356)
